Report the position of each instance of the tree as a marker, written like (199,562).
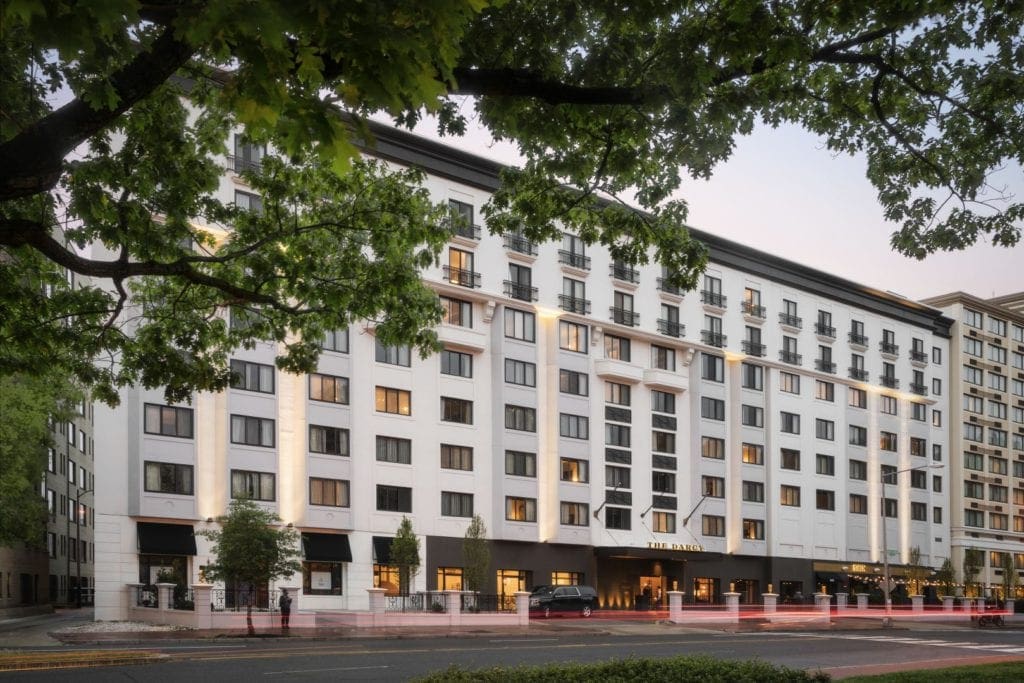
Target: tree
(1010,580)
(971,567)
(607,107)
(946,576)
(476,555)
(916,572)
(405,554)
(251,549)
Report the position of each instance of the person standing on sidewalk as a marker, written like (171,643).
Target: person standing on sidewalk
(285,603)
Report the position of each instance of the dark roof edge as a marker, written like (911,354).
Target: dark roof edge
(467,168)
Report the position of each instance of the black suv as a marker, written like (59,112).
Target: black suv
(548,599)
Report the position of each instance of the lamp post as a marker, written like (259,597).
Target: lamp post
(887,621)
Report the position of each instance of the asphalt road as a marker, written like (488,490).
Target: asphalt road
(247,661)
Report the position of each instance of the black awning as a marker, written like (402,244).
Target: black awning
(326,547)
(382,549)
(166,539)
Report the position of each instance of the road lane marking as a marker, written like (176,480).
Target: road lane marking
(313,671)
(524,640)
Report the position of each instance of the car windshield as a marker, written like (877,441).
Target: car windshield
(543,590)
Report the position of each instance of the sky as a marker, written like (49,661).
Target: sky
(782,192)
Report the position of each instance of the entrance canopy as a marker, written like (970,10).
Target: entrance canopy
(326,547)
(166,539)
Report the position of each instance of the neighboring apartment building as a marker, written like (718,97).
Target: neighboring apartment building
(609,429)
(987,432)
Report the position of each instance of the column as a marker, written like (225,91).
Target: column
(523,607)
(675,607)
(202,604)
(377,599)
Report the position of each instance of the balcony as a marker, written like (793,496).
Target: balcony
(822,365)
(520,245)
(624,316)
(826,331)
(618,371)
(752,310)
(791,357)
(889,382)
(794,321)
(462,277)
(668,288)
(715,299)
(574,304)
(858,340)
(621,271)
(712,338)
(919,389)
(573,259)
(519,291)
(665,380)
(752,348)
(859,374)
(672,328)
(918,357)
(240,164)
(889,349)
(461,228)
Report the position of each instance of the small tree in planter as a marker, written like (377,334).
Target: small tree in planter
(251,548)
(946,576)
(405,554)
(476,556)
(916,572)
(971,568)
(1009,577)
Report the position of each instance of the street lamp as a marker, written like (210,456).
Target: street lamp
(78,544)
(885,539)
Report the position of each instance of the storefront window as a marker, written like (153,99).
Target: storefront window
(566,578)
(449,578)
(706,590)
(386,576)
(321,578)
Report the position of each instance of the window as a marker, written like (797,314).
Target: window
(712,447)
(617,518)
(574,514)
(663,358)
(972,318)
(858,504)
(790,459)
(248,156)
(789,423)
(937,484)
(753,492)
(753,454)
(998,494)
(663,402)
(973,432)
(712,367)
(752,376)
(252,431)
(393,449)
(456,457)
(617,435)
(329,492)
(617,348)
(713,487)
(168,421)
(616,477)
(858,470)
(520,509)
(887,441)
(997,354)
(456,410)
(252,376)
(974,461)
(663,482)
(918,446)
(974,404)
(825,464)
(459,270)
(997,382)
(247,201)
(521,418)
(573,426)
(918,411)
(936,386)
(576,471)
(789,314)
(789,496)
(328,388)
(858,436)
(752,416)
(974,489)
(974,518)
(392,355)
(936,418)
(713,525)
(456,363)
(394,498)
(752,302)
(856,398)
(520,372)
(335,340)
(824,499)
(328,440)
(395,401)
(520,464)
(753,529)
(663,442)
(252,485)
(712,408)
(570,382)
(887,405)
(997,326)
(973,375)
(456,504)
(918,479)
(998,522)
(663,522)
(165,477)
(712,292)
(825,429)
(617,394)
(622,309)
(789,353)
(572,336)
(520,325)
(456,312)
(789,382)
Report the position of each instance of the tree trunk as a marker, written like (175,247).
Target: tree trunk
(248,613)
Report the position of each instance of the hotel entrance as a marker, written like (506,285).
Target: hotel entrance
(652,593)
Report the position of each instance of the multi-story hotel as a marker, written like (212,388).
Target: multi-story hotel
(987,433)
(609,429)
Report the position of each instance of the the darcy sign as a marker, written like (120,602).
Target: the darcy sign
(689,547)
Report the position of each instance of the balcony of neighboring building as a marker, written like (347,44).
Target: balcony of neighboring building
(462,277)
(889,382)
(752,348)
(624,272)
(754,312)
(792,322)
(516,290)
(624,316)
(859,374)
(712,338)
(574,259)
(822,365)
(574,304)
(889,350)
(791,357)
(520,245)
(671,328)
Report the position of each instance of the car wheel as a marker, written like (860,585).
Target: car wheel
(547,612)
(586,610)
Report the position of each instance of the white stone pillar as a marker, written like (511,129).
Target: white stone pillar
(862,601)
(917,603)
(771,602)
(947,603)
(377,599)
(523,607)
(675,607)
(165,596)
(453,606)
(823,602)
(201,603)
(842,601)
(732,605)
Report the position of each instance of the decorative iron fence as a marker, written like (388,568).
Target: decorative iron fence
(429,601)
(239,599)
(147,596)
(480,602)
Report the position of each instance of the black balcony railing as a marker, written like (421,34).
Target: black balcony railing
(858,374)
(824,330)
(621,271)
(240,164)
(754,310)
(671,327)
(791,357)
(571,258)
(464,229)
(858,339)
(520,244)
(918,356)
(574,304)
(520,291)
(716,299)
(461,276)
(752,348)
(919,389)
(790,320)
(889,381)
(624,316)
(712,338)
(889,348)
(825,366)
(667,288)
